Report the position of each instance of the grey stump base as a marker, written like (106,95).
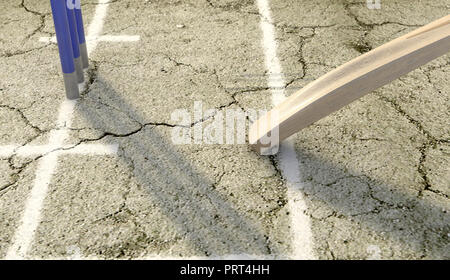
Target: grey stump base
(71,85)
(79,69)
(84,56)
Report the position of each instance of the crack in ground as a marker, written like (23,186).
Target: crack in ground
(41,16)
(236,6)
(7,54)
(370,26)
(285,28)
(427,73)
(363,46)
(15,176)
(431,141)
(23,117)
(382,205)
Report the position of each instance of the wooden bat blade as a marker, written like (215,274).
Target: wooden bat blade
(351,81)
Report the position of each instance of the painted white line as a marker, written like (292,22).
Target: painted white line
(302,239)
(31,218)
(25,151)
(96,26)
(36,150)
(47,40)
(275,77)
(104,38)
(93,149)
(302,246)
(45,169)
(119,38)
(7,151)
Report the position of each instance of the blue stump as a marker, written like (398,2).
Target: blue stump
(81,37)
(75,44)
(71,44)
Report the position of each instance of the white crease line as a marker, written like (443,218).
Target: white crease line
(118,38)
(46,167)
(93,149)
(47,40)
(96,26)
(7,151)
(36,150)
(302,246)
(31,217)
(104,38)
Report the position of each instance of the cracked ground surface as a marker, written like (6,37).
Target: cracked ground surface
(375,174)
